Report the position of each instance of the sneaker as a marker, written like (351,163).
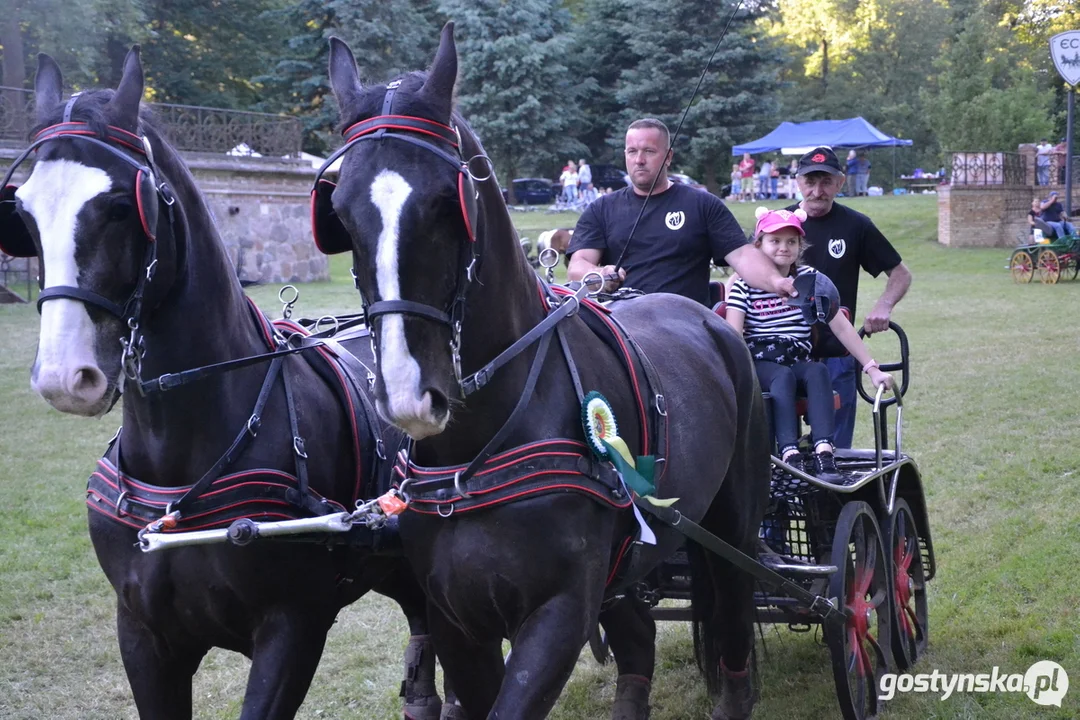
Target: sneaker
(825,467)
(796,461)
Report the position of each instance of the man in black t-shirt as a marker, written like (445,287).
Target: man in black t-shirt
(841,241)
(681,231)
(1053,214)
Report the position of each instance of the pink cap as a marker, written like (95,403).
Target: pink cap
(772,220)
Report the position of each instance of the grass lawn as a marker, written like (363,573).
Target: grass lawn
(991,418)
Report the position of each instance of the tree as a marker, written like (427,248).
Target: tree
(388,38)
(206,52)
(736,97)
(600,53)
(513,84)
(995,103)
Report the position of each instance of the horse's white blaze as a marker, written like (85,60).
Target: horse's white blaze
(54,194)
(407,405)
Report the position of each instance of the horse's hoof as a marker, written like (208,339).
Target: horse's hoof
(737,696)
(418,710)
(631,698)
(451,711)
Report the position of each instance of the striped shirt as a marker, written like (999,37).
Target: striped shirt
(767,315)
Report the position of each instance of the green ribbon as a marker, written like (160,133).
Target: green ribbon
(639,478)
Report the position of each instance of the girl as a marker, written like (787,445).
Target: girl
(778,336)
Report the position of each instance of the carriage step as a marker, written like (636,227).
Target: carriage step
(794,567)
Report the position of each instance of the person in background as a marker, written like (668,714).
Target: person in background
(1042,162)
(763,179)
(774,180)
(746,177)
(793,186)
(736,182)
(841,243)
(1053,214)
(852,164)
(1034,214)
(862,175)
(569,180)
(585,186)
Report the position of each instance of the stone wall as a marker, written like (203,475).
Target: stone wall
(992,215)
(982,215)
(261,206)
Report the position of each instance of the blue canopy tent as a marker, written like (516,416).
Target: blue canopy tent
(801,137)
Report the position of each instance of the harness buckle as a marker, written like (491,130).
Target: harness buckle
(298,447)
(119,501)
(448,513)
(253,424)
(150,270)
(380,449)
(458,486)
(469,269)
(661,405)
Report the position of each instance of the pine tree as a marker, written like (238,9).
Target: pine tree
(513,83)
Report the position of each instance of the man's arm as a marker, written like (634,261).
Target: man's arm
(586,261)
(895,289)
(759,271)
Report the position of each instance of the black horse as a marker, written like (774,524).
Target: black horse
(137,283)
(525,557)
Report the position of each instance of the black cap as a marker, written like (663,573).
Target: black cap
(820,159)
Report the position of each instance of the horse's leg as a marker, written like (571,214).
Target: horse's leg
(285,653)
(422,700)
(545,649)
(473,669)
(161,685)
(735,515)
(631,633)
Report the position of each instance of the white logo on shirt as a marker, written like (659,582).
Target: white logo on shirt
(675,220)
(837,247)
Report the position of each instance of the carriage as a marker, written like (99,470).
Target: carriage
(863,543)
(1053,261)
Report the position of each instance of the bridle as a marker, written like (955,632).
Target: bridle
(149,195)
(433,137)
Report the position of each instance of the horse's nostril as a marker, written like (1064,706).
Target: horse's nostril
(440,406)
(88,383)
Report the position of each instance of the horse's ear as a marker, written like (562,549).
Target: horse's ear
(48,85)
(344,78)
(439,86)
(129,92)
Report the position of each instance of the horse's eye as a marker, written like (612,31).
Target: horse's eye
(119,211)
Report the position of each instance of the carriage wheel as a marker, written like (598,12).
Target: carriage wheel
(909,621)
(598,643)
(1074,264)
(860,647)
(1022,266)
(1049,267)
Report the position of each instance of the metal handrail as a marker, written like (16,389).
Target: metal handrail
(191,128)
